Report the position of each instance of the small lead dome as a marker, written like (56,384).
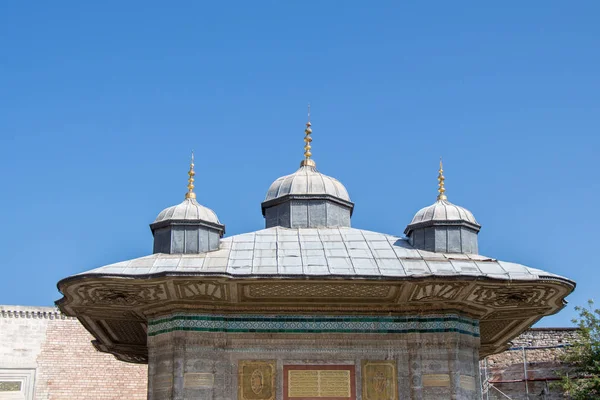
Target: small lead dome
(307,180)
(307,198)
(189,209)
(443,226)
(188,227)
(443,210)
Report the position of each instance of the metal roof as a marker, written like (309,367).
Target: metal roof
(344,251)
(443,210)
(188,209)
(307,180)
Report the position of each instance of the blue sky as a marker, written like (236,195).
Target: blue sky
(101,103)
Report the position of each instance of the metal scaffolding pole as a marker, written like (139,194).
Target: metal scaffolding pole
(487,381)
(525,372)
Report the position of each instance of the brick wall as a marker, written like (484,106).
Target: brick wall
(67,366)
(71,368)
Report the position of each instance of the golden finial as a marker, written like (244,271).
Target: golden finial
(441,179)
(190,194)
(308,162)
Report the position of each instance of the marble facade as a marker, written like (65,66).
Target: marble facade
(432,359)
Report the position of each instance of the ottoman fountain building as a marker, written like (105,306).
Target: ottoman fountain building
(309,307)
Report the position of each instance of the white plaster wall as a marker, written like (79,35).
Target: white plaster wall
(22,332)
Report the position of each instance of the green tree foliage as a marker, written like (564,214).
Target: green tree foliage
(583,356)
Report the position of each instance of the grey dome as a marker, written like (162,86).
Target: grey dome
(443,210)
(189,210)
(307,180)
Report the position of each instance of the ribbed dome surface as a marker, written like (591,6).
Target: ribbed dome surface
(189,209)
(307,180)
(443,210)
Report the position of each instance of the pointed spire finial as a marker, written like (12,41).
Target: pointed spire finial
(308,162)
(441,179)
(190,194)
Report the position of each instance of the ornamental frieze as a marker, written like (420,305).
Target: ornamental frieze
(436,291)
(106,303)
(312,290)
(122,295)
(512,296)
(202,290)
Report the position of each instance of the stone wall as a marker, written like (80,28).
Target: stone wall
(217,357)
(536,351)
(53,357)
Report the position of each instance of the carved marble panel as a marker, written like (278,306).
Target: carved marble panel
(436,291)
(256,380)
(122,294)
(202,290)
(379,380)
(300,291)
(512,296)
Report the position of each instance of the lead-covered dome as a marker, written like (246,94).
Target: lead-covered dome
(188,210)
(444,227)
(307,181)
(307,198)
(443,210)
(188,227)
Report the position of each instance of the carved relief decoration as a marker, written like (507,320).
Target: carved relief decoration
(122,295)
(379,380)
(512,296)
(493,328)
(256,380)
(312,290)
(130,332)
(436,291)
(97,299)
(202,290)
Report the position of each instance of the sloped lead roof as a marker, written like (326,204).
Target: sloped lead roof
(323,252)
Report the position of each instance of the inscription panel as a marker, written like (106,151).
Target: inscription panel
(256,380)
(439,380)
(10,386)
(198,380)
(467,382)
(308,382)
(379,380)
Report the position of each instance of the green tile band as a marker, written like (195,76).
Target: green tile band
(313,324)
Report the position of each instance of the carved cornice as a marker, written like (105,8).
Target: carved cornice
(32,312)
(116,310)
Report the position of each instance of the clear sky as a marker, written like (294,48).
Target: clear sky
(101,103)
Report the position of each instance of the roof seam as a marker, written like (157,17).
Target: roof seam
(371,251)
(323,250)
(347,251)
